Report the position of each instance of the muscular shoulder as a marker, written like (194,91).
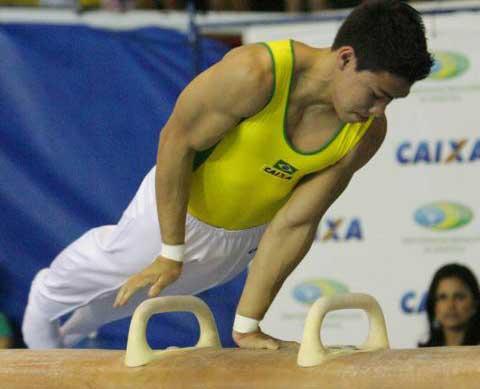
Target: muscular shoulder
(368,145)
(254,59)
(238,86)
(250,66)
(234,88)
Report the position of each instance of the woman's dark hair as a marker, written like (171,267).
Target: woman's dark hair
(464,274)
(387,35)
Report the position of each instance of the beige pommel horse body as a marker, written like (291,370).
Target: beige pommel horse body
(208,366)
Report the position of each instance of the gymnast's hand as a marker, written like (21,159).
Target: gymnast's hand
(161,273)
(255,340)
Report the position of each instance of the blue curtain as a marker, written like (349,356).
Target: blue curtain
(81,109)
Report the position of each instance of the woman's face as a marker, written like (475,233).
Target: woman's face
(454,303)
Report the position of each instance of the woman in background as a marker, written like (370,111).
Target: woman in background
(452,308)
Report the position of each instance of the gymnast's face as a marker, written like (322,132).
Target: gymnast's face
(454,303)
(356,95)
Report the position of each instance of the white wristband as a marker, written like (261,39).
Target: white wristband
(173,252)
(244,324)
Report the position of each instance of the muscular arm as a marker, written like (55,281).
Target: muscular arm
(237,87)
(291,233)
(213,103)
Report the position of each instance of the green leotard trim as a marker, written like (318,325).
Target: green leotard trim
(273,72)
(323,147)
(202,156)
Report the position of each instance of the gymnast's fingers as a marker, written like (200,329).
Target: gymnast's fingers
(158,286)
(129,289)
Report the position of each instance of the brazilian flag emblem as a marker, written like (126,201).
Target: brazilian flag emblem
(285,167)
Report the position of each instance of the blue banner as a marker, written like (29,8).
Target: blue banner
(81,109)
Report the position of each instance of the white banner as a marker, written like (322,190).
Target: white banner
(412,209)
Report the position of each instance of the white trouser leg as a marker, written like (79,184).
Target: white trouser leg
(92,316)
(87,274)
(39,332)
(97,262)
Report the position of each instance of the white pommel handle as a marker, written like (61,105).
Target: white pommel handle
(312,352)
(139,352)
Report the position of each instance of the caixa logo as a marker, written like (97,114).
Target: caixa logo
(339,230)
(413,302)
(443,216)
(309,291)
(448,64)
(438,152)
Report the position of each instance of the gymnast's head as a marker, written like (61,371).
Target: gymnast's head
(381,50)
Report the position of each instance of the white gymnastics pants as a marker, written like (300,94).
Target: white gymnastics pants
(86,275)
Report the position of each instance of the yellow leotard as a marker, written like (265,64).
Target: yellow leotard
(246,178)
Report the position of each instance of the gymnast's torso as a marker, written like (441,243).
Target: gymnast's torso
(244,179)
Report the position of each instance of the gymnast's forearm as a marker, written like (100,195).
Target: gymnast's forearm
(172,187)
(280,251)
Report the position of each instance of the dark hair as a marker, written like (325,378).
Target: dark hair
(464,274)
(387,35)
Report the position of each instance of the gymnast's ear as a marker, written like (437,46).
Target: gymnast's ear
(345,57)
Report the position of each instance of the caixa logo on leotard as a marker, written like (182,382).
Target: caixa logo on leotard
(339,230)
(281,169)
(438,152)
(413,302)
(309,291)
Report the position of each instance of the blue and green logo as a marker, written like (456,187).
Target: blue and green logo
(448,64)
(443,216)
(285,167)
(309,291)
